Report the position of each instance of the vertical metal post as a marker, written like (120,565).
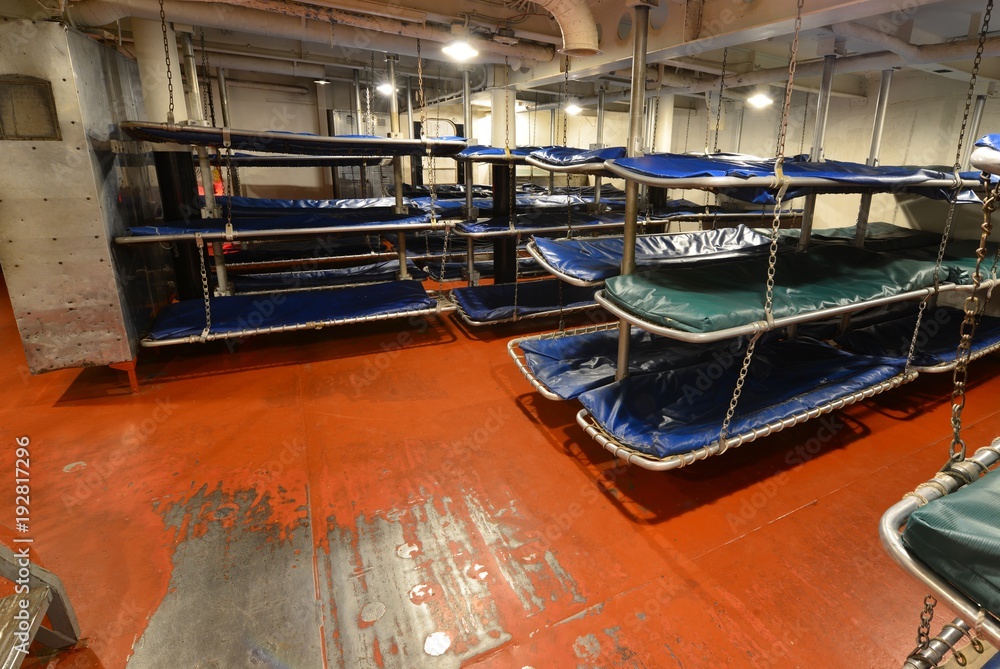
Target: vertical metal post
(598,181)
(634,148)
(409,108)
(973,134)
(470,210)
(861,230)
(357,101)
(552,142)
(226,119)
(397,163)
(822,111)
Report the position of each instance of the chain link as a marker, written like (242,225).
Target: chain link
(924,628)
(166,56)
(209,95)
(687,129)
(805,120)
(206,294)
(775,226)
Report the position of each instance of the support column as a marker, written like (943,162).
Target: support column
(861,230)
(973,133)
(503,132)
(822,111)
(598,181)
(471,214)
(397,164)
(662,141)
(634,149)
(148,37)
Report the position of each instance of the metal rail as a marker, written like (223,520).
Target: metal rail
(289,232)
(646,461)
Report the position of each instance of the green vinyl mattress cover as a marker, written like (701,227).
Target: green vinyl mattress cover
(958,536)
(731,294)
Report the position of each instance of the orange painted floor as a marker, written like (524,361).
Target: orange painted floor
(397,496)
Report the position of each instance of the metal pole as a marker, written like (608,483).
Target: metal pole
(470,210)
(552,142)
(881,104)
(822,111)
(598,181)
(226,120)
(397,163)
(634,149)
(973,134)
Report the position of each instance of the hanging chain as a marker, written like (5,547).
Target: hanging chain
(369,118)
(708,120)
(228,157)
(166,55)
(206,294)
(687,129)
(924,628)
(208,80)
(805,119)
(722,88)
(961,372)
(422,101)
(656,125)
(775,226)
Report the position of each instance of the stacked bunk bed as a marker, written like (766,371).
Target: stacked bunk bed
(596,211)
(838,329)
(279,280)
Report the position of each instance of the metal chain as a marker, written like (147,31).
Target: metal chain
(370,122)
(200,243)
(805,119)
(656,125)
(708,119)
(687,129)
(422,101)
(166,55)
(722,88)
(775,226)
(924,628)
(228,157)
(960,374)
(208,80)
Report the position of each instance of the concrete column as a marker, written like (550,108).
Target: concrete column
(664,124)
(148,37)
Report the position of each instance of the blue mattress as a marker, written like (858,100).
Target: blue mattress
(524,203)
(305,250)
(292,143)
(278,160)
(598,259)
(529,222)
(495,303)
(457,270)
(316,278)
(572,365)
(243,225)
(273,206)
(566,159)
(490,154)
(846,177)
(680,410)
(937,341)
(237,313)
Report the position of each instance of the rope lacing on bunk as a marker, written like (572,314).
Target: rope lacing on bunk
(166,56)
(782,181)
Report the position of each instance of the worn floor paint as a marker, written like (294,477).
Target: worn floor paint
(396,496)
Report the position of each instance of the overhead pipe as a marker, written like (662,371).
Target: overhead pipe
(268,86)
(633,149)
(577,24)
(297,22)
(266,65)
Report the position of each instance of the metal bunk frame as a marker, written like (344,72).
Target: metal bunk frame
(896,516)
(237,235)
(757,327)
(588,169)
(560,311)
(517,354)
(646,461)
(443,306)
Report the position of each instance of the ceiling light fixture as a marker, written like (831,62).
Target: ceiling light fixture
(321,82)
(460,51)
(760,99)
(573,108)
(384,88)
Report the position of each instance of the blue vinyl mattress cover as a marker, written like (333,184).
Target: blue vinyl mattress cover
(338,276)
(236,313)
(574,364)
(256,204)
(601,258)
(496,302)
(539,220)
(679,410)
(563,156)
(486,153)
(937,340)
(697,298)
(288,222)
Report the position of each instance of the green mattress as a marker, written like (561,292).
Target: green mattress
(731,294)
(958,536)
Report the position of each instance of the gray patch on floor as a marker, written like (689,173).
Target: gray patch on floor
(242,592)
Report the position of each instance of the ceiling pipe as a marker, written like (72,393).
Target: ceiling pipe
(267,66)
(267,86)
(576,21)
(316,25)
